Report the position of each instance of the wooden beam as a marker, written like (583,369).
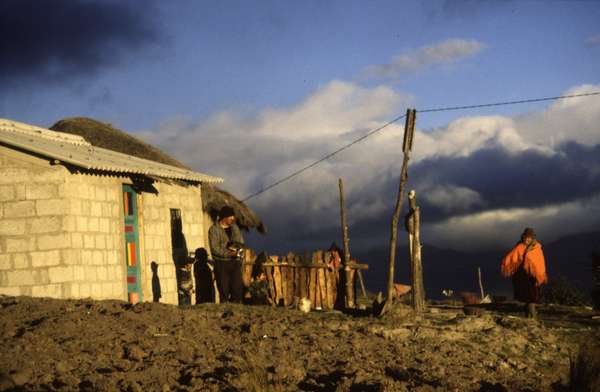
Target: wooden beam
(418,291)
(409,129)
(346,240)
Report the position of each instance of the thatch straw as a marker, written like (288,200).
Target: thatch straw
(214,199)
(104,135)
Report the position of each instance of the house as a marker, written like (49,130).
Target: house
(213,198)
(78,219)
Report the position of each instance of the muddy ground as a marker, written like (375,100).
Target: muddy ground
(109,345)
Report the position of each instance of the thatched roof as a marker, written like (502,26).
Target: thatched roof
(105,136)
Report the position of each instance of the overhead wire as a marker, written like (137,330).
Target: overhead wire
(326,157)
(396,119)
(485,105)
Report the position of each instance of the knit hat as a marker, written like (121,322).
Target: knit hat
(528,232)
(225,212)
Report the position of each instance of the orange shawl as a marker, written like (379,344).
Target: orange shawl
(532,259)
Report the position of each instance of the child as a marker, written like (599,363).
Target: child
(259,287)
(206,290)
(185,282)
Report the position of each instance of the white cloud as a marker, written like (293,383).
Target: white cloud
(254,151)
(334,110)
(574,119)
(502,227)
(593,40)
(251,153)
(445,52)
(466,135)
(451,198)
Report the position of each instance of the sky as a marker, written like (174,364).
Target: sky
(253,91)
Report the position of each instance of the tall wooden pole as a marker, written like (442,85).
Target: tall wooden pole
(418,290)
(409,129)
(346,240)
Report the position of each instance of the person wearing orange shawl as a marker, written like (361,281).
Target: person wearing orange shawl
(526,266)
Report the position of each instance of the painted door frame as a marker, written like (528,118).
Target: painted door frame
(131,243)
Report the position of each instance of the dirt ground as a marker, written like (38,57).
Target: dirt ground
(109,345)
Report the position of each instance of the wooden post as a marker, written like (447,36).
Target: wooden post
(349,277)
(480,283)
(361,280)
(418,290)
(409,129)
(410,222)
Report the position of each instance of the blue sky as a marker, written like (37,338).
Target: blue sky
(252,91)
(213,56)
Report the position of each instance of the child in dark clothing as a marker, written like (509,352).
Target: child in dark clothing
(259,287)
(206,290)
(185,282)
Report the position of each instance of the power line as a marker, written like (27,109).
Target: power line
(485,105)
(440,109)
(326,157)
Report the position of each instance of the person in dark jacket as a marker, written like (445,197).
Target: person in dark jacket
(225,239)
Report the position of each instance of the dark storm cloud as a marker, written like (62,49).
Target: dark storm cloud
(53,41)
(505,180)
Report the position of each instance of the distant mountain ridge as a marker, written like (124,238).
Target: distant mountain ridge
(568,257)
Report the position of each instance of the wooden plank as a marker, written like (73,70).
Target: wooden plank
(271,286)
(318,301)
(329,287)
(247,265)
(277,282)
(322,299)
(335,284)
(312,283)
(283,283)
(297,277)
(290,280)
(302,282)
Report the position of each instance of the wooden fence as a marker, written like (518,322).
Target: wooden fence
(314,276)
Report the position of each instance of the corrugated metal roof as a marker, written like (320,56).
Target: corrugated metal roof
(75,150)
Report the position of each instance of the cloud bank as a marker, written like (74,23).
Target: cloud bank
(445,52)
(50,42)
(479,180)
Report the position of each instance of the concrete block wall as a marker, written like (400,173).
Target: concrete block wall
(156,217)
(59,232)
(94,226)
